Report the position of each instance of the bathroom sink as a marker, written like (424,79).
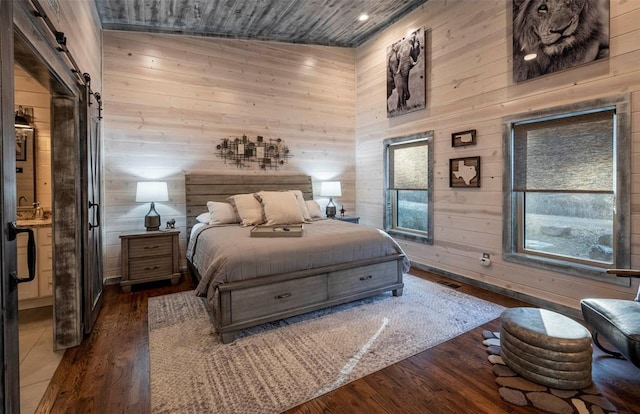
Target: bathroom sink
(33,222)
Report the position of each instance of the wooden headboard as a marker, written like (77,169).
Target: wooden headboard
(200,188)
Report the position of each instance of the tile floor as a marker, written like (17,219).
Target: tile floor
(38,360)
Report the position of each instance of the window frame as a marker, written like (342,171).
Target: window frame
(513,225)
(390,195)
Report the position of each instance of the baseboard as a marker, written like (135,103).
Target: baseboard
(35,302)
(541,303)
(111,280)
(115,280)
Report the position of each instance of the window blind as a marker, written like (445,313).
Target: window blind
(570,154)
(408,166)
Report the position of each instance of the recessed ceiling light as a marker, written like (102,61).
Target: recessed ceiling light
(363,17)
(530,56)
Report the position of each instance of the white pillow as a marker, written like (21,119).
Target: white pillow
(280,207)
(301,204)
(314,209)
(204,218)
(222,213)
(248,208)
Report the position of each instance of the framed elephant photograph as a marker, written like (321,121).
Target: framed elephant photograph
(406,75)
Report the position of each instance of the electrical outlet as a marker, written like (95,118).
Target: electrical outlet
(486,256)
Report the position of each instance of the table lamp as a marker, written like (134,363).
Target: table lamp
(152,191)
(330,189)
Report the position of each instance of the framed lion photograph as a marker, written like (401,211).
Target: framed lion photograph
(406,84)
(554,35)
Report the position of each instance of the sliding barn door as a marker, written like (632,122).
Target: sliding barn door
(9,382)
(92,201)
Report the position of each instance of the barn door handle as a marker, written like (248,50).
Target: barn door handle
(31,251)
(97,216)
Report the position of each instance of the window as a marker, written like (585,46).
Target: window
(567,201)
(408,210)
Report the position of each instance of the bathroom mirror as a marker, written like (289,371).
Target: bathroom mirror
(25,166)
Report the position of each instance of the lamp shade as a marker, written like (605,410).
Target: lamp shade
(149,191)
(330,189)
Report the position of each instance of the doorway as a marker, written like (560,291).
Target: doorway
(33,185)
(77,280)
(75,189)
(38,359)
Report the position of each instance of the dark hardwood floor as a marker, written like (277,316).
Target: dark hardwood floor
(109,372)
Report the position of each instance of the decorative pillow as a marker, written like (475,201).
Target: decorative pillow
(301,204)
(204,218)
(280,207)
(314,209)
(221,213)
(248,208)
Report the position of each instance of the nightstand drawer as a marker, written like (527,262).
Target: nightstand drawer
(153,246)
(150,267)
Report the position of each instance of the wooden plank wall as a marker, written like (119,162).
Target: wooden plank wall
(30,93)
(469,86)
(80,24)
(169,100)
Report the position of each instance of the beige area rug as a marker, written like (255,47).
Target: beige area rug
(276,366)
(517,390)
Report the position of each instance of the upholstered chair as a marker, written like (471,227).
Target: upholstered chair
(617,320)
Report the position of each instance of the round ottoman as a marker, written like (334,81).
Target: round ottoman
(546,347)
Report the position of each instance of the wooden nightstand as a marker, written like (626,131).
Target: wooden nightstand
(150,256)
(350,219)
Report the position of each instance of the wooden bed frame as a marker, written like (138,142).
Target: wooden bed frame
(248,303)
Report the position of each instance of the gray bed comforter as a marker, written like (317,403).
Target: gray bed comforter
(223,254)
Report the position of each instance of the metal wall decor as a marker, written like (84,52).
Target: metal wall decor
(245,152)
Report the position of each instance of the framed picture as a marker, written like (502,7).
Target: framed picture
(406,80)
(464,172)
(564,36)
(21,148)
(461,139)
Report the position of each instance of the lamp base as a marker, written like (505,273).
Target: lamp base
(331,209)
(152,219)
